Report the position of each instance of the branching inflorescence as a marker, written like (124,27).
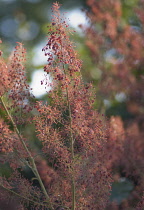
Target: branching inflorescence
(74,174)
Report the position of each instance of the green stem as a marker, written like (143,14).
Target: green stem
(23,197)
(72,153)
(72,150)
(34,168)
(71,139)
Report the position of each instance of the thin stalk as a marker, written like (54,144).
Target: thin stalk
(34,168)
(23,197)
(72,149)
(71,134)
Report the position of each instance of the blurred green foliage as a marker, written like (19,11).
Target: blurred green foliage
(121,190)
(26,20)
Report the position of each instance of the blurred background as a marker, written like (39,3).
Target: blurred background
(26,21)
(109,38)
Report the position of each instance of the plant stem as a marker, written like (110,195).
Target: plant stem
(72,153)
(71,135)
(72,149)
(23,197)
(34,168)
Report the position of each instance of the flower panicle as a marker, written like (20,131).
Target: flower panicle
(63,63)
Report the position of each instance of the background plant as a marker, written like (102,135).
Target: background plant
(115,43)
